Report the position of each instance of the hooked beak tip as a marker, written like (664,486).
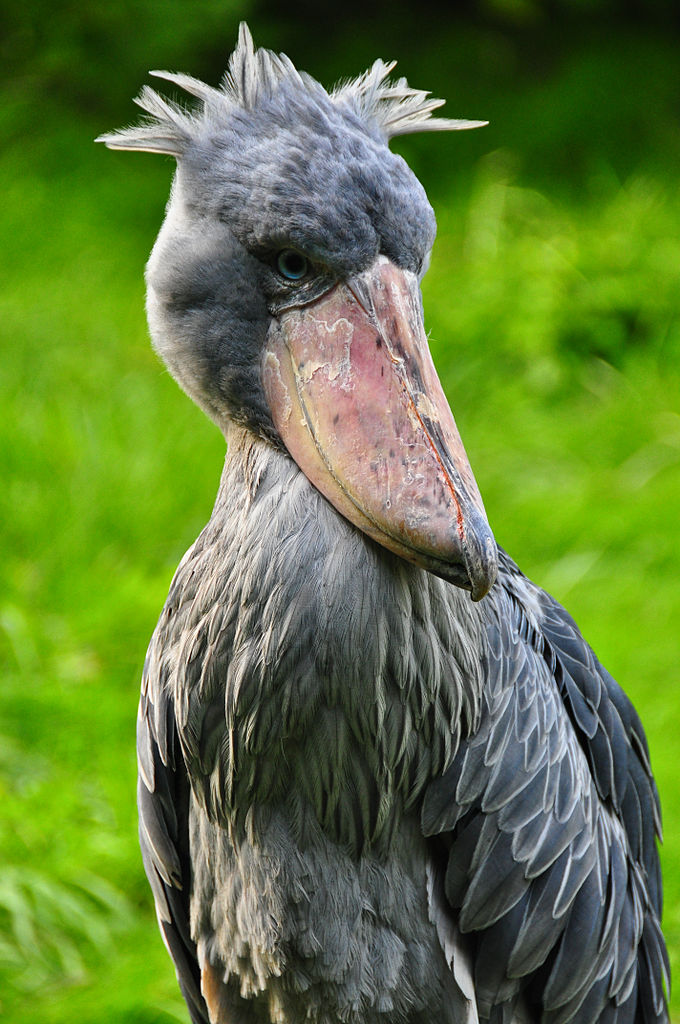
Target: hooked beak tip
(481,585)
(481,563)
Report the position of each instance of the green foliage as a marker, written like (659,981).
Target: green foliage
(48,925)
(92,56)
(554,315)
(551,290)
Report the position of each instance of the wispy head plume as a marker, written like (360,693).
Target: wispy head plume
(252,77)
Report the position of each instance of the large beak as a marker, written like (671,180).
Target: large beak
(356,399)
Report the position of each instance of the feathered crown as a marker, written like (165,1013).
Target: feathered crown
(254,75)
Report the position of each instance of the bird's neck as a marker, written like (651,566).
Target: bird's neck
(340,666)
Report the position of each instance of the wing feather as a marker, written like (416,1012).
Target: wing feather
(549,816)
(163,802)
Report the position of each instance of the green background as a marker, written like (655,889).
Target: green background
(554,311)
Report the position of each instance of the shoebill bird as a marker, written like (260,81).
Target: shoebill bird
(382,777)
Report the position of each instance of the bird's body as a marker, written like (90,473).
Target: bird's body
(311,850)
(364,796)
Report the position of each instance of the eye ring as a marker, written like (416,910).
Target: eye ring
(292,265)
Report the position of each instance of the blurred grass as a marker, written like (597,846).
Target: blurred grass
(553,305)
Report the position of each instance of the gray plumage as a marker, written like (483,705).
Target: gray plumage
(363,796)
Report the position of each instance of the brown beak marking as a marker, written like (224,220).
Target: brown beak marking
(354,394)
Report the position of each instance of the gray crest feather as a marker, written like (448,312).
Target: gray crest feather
(395,107)
(252,76)
(168,129)
(194,86)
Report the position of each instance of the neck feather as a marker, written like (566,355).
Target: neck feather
(336,664)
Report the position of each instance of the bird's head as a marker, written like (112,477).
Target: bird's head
(284,294)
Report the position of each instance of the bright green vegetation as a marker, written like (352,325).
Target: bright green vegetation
(553,304)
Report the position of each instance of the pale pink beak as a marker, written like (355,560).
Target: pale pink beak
(356,400)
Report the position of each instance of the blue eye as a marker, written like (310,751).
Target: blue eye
(292,265)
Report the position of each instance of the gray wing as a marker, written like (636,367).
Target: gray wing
(545,829)
(163,801)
